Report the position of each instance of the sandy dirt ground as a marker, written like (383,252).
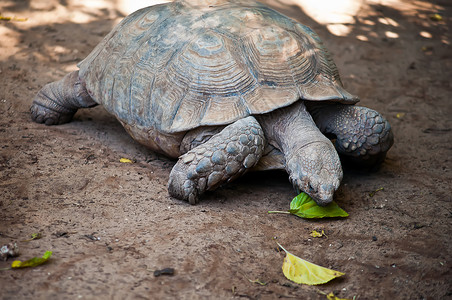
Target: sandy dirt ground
(110,225)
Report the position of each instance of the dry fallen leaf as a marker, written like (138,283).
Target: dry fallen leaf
(258,282)
(125,160)
(371,194)
(331,296)
(436,17)
(299,270)
(3,18)
(315,233)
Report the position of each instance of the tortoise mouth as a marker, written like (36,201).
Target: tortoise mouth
(322,195)
(322,199)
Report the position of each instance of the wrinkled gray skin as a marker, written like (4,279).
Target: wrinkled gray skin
(287,138)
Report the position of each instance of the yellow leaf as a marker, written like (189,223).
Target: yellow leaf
(436,17)
(2,18)
(301,271)
(125,160)
(315,233)
(331,296)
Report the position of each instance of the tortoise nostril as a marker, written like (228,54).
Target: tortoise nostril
(328,187)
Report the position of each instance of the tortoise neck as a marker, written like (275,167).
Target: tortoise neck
(290,128)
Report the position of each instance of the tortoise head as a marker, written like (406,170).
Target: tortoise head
(316,169)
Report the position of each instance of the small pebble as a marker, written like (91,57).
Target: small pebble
(166,271)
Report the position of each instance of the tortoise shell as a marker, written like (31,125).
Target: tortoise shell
(174,67)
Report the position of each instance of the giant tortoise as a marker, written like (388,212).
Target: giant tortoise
(225,87)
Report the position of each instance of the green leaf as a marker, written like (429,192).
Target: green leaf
(305,207)
(33,262)
(300,200)
(299,270)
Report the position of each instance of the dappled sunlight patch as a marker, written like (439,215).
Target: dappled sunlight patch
(8,38)
(339,29)
(391,34)
(368,22)
(388,21)
(336,15)
(127,7)
(81,17)
(47,12)
(362,38)
(360,18)
(61,54)
(401,4)
(425,34)
(91,11)
(94,4)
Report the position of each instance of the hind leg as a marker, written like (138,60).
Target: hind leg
(57,102)
(362,134)
(224,157)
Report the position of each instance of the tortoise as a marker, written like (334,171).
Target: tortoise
(225,87)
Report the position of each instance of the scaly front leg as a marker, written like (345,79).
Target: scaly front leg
(224,157)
